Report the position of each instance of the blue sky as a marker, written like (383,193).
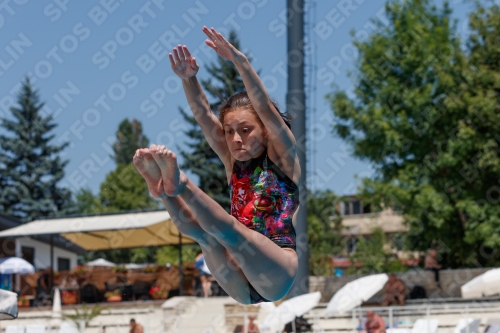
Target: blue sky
(96,63)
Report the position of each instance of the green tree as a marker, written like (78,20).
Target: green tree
(124,189)
(370,255)
(201,160)
(85,314)
(324,232)
(129,138)
(373,255)
(86,202)
(478,137)
(30,164)
(170,254)
(426,116)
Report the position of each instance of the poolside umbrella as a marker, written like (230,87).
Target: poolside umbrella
(133,265)
(289,309)
(101,263)
(15,265)
(56,310)
(300,305)
(8,305)
(486,284)
(354,293)
(276,320)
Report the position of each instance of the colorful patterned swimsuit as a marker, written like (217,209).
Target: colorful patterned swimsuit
(264,199)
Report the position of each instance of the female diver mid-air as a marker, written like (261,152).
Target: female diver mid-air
(250,252)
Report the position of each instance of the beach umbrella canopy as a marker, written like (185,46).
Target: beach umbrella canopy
(276,320)
(101,263)
(486,284)
(107,231)
(354,293)
(8,305)
(288,310)
(300,305)
(15,265)
(135,266)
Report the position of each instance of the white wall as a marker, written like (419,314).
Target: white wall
(42,253)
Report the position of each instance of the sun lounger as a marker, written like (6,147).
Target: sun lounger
(68,327)
(472,323)
(14,329)
(35,328)
(492,325)
(425,326)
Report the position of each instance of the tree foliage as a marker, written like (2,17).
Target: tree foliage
(85,314)
(129,138)
(170,254)
(370,255)
(324,232)
(201,160)
(30,165)
(426,115)
(124,189)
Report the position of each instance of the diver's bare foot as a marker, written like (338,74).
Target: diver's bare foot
(174,179)
(144,162)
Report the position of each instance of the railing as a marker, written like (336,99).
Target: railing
(404,316)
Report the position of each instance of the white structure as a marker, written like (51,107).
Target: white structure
(66,259)
(36,250)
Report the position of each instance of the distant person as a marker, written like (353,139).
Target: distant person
(374,323)
(252,326)
(394,292)
(431,264)
(135,327)
(43,290)
(204,273)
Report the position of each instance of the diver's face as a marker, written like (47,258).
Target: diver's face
(245,136)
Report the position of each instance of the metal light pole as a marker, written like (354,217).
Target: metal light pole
(296,101)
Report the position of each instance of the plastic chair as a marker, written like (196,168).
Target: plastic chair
(88,294)
(14,329)
(472,323)
(425,326)
(68,327)
(35,328)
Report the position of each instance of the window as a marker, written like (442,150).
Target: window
(356,207)
(347,210)
(28,254)
(62,264)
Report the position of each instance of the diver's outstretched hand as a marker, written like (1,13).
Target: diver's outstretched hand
(182,63)
(220,45)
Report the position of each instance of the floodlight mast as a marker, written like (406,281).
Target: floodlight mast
(295,103)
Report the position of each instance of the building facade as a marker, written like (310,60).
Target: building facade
(37,250)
